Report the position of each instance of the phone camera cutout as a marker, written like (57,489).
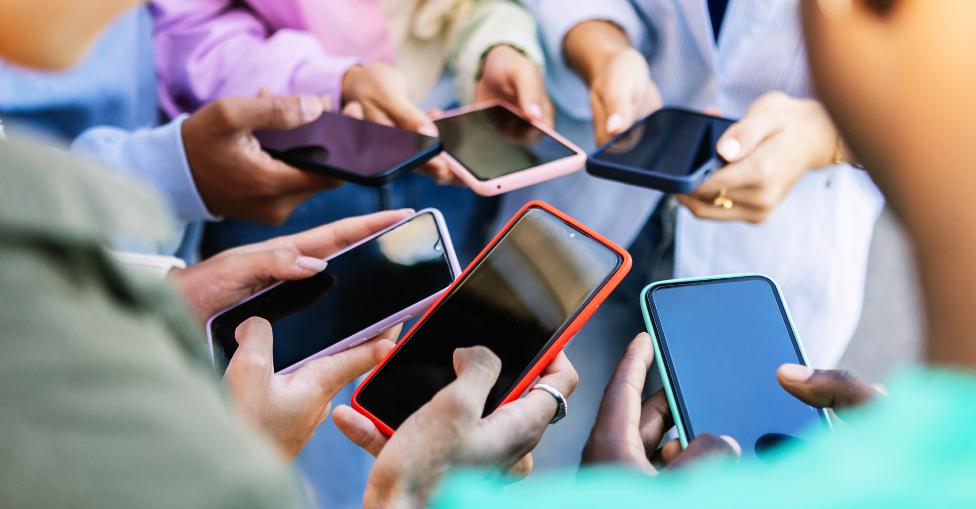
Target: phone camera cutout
(572,235)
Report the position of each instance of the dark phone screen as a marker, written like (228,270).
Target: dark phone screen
(348,144)
(494,142)
(723,341)
(358,289)
(669,141)
(516,301)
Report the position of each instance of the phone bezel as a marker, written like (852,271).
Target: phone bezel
(521,178)
(644,177)
(378,327)
(378,179)
(555,344)
(663,354)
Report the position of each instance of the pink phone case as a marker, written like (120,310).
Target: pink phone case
(522,178)
(382,325)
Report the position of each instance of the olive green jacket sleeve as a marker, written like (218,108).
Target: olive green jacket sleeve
(106,394)
(490,23)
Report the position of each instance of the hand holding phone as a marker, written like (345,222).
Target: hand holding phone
(523,298)
(719,342)
(365,289)
(494,150)
(671,150)
(350,149)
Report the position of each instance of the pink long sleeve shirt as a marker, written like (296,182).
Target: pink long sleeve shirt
(206,49)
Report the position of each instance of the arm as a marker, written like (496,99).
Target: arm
(207,49)
(491,23)
(154,156)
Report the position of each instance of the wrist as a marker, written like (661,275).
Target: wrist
(589,45)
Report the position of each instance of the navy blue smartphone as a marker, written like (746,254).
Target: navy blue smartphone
(718,343)
(671,150)
(350,149)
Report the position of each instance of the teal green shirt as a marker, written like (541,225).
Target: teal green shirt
(914,449)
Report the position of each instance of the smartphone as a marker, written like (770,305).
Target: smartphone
(719,342)
(493,149)
(365,289)
(350,149)
(671,150)
(523,297)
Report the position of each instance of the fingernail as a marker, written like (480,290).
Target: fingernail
(535,111)
(429,130)
(732,443)
(407,210)
(795,372)
(729,148)
(614,123)
(311,107)
(311,264)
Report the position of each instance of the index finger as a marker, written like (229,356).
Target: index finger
(279,112)
(620,410)
(329,238)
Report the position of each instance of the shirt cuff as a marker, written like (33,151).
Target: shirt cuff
(323,76)
(155,156)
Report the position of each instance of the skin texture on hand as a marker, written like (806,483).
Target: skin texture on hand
(233,275)
(449,431)
(826,388)
(234,176)
(778,140)
(621,89)
(378,93)
(289,408)
(508,75)
(627,430)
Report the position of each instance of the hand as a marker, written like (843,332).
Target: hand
(234,176)
(621,89)
(233,275)
(449,430)
(378,93)
(826,388)
(627,431)
(778,140)
(289,408)
(508,75)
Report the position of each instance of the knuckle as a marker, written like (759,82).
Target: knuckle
(223,111)
(453,404)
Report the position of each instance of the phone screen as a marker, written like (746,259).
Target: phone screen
(355,146)
(494,142)
(669,141)
(357,289)
(722,343)
(516,301)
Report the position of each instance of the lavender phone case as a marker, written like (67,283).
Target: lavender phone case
(380,326)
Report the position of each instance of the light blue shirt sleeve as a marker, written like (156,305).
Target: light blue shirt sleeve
(556,18)
(154,156)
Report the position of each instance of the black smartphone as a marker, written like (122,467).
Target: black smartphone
(719,342)
(524,296)
(671,150)
(365,289)
(350,149)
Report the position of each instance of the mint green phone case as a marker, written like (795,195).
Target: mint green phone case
(655,341)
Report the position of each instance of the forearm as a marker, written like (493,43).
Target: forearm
(590,44)
(491,23)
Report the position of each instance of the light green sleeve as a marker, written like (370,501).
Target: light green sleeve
(917,450)
(490,23)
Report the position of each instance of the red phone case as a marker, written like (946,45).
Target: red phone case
(556,346)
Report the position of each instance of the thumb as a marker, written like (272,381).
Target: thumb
(406,115)
(830,388)
(336,371)
(281,112)
(477,370)
(531,94)
(253,362)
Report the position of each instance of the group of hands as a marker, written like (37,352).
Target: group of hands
(449,431)
(766,152)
